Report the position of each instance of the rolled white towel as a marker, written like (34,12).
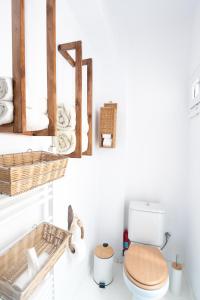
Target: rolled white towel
(6,112)
(6,88)
(36,121)
(66,117)
(65,142)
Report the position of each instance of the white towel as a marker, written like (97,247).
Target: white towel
(66,117)
(36,121)
(6,88)
(23,280)
(65,142)
(6,112)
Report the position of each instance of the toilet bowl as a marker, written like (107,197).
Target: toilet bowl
(145,272)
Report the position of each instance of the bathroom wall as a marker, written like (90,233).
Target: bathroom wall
(157,125)
(154,41)
(192,223)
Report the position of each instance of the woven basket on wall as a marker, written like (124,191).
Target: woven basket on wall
(45,238)
(108,118)
(21,172)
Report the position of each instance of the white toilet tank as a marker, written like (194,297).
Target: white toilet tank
(146,223)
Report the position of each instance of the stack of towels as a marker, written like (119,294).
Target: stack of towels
(65,141)
(36,115)
(6,100)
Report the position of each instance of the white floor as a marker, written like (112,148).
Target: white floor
(116,291)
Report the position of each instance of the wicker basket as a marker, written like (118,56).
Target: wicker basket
(108,117)
(21,172)
(45,238)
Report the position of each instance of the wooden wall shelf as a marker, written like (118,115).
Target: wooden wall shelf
(18,59)
(19,70)
(89,64)
(77,64)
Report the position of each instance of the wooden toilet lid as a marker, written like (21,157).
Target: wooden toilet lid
(146,266)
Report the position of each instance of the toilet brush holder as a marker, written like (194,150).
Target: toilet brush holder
(176,278)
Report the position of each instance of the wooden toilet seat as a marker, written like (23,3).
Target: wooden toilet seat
(145,267)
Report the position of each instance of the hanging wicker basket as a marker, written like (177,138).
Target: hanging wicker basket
(44,238)
(20,172)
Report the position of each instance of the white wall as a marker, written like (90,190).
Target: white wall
(154,41)
(192,225)
(157,118)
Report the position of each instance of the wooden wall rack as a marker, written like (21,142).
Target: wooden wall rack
(77,64)
(18,61)
(88,63)
(51,72)
(19,71)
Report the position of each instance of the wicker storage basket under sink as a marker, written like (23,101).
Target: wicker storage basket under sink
(20,172)
(45,238)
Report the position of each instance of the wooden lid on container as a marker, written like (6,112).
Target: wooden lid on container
(146,265)
(104,251)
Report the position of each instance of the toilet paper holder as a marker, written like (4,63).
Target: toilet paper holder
(73,223)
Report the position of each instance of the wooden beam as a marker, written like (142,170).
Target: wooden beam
(44,132)
(8,128)
(67,56)
(51,66)
(68,46)
(18,54)
(78,99)
(89,64)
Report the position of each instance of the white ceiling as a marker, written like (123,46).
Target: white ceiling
(108,21)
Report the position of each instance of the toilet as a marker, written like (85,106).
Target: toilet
(145,269)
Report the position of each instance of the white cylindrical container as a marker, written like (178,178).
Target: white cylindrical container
(103,265)
(176,278)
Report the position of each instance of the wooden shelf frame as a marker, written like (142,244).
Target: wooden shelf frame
(51,72)
(18,59)
(89,64)
(77,65)
(19,70)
